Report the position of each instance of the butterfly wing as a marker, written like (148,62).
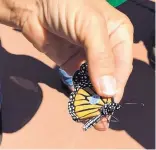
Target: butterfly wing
(80,106)
(81,78)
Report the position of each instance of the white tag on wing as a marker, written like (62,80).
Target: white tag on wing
(94,99)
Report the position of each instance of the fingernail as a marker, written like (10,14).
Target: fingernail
(108,85)
(118,95)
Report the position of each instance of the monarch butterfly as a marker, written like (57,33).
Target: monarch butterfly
(85,104)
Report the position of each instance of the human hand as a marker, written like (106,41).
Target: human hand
(70,32)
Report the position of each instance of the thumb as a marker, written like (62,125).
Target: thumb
(100,57)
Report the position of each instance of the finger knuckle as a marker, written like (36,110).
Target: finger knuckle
(128,23)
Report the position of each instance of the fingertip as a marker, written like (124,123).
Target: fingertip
(102,125)
(106,86)
(119,95)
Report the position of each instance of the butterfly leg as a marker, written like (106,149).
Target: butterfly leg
(92,122)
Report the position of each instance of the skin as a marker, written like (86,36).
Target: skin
(71,31)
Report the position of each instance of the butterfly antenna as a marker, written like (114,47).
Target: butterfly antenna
(114,119)
(142,104)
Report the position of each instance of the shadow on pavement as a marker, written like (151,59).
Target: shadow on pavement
(138,121)
(22,96)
